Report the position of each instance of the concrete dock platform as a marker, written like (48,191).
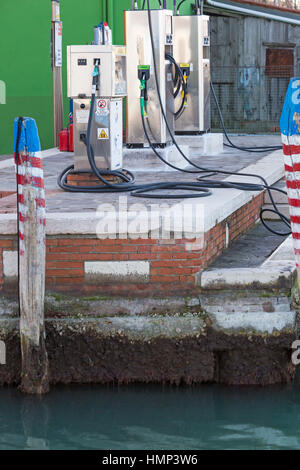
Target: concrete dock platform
(129,296)
(118,244)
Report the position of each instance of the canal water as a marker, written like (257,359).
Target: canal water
(152,417)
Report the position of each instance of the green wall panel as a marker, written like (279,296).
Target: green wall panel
(25,59)
(25,54)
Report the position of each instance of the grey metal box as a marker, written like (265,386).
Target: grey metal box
(106,133)
(192,45)
(112,70)
(138,44)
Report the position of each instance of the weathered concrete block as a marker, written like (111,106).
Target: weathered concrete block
(144,159)
(213,144)
(10,264)
(117,271)
(205,144)
(281,276)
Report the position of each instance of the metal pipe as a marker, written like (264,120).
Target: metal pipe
(247,11)
(160,5)
(174,6)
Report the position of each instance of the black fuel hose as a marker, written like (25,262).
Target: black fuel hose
(179,6)
(230,143)
(181,83)
(201,187)
(196,188)
(144,2)
(241,186)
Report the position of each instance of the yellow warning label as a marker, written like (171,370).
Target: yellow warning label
(103,134)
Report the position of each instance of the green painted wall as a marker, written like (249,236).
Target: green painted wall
(25,55)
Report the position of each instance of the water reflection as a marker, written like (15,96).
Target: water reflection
(152,417)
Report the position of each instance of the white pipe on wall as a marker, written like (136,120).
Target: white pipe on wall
(247,11)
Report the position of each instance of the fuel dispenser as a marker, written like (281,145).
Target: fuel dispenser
(97,78)
(138,43)
(191,51)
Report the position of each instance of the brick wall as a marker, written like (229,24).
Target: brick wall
(173,264)
(6,193)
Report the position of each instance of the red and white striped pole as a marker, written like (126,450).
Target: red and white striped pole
(290,135)
(32,255)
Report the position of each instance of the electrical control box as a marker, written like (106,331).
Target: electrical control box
(139,47)
(106,133)
(192,46)
(113,76)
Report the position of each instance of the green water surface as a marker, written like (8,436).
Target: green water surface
(152,417)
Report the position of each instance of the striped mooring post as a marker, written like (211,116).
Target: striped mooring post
(290,135)
(31,262)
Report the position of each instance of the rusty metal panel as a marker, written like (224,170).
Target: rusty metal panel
(280,62)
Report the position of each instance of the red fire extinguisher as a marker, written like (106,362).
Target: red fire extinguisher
(64,140)
(71,138)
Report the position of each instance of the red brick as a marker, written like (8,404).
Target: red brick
(68,264)
(64,249)
(76,241)
(93,256)
(58,256)
(51,241)
(167,249)
(141,256)
(143,241)
(6,243)
(120,257)
(168,255)
(144,249)
(164,279)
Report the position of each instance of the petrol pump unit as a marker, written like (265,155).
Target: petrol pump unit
(140,57)
(106,119)
(191,51)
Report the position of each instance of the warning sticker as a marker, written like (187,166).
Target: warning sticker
(102,104)
(103,134)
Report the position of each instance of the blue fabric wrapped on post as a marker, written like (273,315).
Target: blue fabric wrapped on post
(29,138)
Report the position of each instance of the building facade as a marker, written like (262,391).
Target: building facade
(252,60)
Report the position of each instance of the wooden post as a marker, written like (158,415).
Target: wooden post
(290,135)
(56,61)
(32,236)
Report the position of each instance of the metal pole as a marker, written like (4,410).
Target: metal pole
(174,7)
(56,63)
